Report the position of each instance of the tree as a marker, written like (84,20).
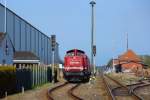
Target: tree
(146,59)
(110,64)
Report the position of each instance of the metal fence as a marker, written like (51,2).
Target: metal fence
(30,76)
(23,78)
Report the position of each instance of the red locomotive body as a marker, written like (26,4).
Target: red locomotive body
(76,65)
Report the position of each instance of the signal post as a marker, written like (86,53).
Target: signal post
(53,45)
(93,46)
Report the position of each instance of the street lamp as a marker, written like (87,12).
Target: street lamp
(92,3)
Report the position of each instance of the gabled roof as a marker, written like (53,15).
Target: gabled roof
(129,56)
(25,55)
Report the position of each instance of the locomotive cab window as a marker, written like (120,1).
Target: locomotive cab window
(70,54)
(79,53)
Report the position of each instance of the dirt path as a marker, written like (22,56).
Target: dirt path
(95,91)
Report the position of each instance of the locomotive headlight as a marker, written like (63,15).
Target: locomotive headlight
(66,69)
(81,68)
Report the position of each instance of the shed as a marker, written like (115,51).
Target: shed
(25,58)
(129,61)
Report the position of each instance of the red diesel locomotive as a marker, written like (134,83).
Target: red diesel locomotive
(76,65)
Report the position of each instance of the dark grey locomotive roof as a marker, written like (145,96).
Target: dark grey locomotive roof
(74,50)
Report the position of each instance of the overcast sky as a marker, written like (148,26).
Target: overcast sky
(70,20)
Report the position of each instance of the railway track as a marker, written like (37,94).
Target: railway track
(69,91)
(119,91)
(140,88)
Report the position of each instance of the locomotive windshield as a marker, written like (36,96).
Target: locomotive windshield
(79,53)
(70,54)
(75,52)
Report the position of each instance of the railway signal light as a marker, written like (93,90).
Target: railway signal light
(94,50)
(53,42)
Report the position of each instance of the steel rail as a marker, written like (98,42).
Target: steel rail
(50,97)
(70,92)
(124,86)
(141,86)
(108,88)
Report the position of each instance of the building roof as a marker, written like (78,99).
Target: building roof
(25,55)
(129,55)
(129,60)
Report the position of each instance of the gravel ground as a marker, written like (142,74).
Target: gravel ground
(111,84)
(125,78)
(124,98)
(35,94)
(95,91)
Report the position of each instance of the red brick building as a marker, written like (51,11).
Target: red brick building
(129,60)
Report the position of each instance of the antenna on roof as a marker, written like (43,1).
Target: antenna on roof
(127,40)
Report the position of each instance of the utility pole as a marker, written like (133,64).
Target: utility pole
(127,41)
(5,15)
(92,3)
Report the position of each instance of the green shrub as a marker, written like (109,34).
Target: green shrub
(7,79)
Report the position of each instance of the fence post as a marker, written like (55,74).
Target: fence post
(39,75)
(32,69)
(22,89)
(46,73)
(23,66)
(42,74)
(20,66)
(35,74)
(6,94)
